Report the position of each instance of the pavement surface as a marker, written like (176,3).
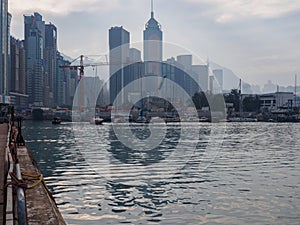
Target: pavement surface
(3,169)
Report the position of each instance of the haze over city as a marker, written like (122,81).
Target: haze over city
(257,40)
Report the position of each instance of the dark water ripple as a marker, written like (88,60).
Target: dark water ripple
(255,178)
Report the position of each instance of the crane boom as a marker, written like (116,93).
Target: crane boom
(82,65)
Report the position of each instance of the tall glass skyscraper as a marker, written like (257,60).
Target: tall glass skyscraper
(50,97)
(119,39)
(153,37)
(34,47)
(5,19)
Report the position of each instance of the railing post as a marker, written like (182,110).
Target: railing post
(21,203)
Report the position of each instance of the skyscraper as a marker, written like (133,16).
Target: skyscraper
(186,61)
(5,19)
(153,45)
(200,75)
(61,80)
(50,65)
(34,47)
(17,73)
(119,39)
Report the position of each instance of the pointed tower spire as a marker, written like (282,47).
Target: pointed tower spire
(152,12)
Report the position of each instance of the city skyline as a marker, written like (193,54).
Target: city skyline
(261,37)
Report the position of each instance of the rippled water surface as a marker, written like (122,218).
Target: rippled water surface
(238,173)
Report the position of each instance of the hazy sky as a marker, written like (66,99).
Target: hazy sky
(259,40)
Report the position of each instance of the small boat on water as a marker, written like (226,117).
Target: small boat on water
(97,121)
(56,120)
(242,119)
(141,119)
(204,119)
(170,119)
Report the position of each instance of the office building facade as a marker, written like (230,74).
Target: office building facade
(50,97)
(17,73)
(34,47)
(153,47)
(5,19)
(201,74)
(119,40)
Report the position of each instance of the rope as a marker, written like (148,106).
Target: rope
(22,183)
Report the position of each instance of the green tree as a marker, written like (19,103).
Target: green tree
(233,97)
(251,104)
(200,100)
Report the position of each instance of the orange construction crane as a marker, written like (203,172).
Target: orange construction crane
(81,67)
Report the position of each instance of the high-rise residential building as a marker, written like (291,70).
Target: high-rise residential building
(65,83)
(119,40)
(50,65)
(5,19)
(34,46)
(62,79)
(136,71)
(72,85)
(153,49)
(17,73)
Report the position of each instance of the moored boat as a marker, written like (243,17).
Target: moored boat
(97,121)
(56,120)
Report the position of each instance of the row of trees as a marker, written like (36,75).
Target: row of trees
(249,104)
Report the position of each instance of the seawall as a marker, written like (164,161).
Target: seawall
(37,206)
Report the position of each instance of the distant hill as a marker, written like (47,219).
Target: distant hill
(231,80)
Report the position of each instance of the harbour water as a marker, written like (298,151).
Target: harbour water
(238,173)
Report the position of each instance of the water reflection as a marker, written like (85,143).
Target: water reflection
(128,155)
(96,180)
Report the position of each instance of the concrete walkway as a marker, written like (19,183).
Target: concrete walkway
(3,169)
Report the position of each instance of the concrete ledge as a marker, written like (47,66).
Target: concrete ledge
(41,207)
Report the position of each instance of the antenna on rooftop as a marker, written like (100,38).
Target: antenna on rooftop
(152,12)
(295,90)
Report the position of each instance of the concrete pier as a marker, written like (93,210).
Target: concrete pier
(39,201)
(40,205)
(3,169)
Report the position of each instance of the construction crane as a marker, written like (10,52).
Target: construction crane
(81,65)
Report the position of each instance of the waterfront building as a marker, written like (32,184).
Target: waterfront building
(201,74)
(185,62)
(72,85)
(180,79)
(34,34)
(135,72)
(5,19)
(66,82)
(50,98)
(276,101)
(119,40)
(19,98)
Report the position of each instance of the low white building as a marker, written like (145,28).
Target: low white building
(277,100)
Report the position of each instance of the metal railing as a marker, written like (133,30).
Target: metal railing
(15,139)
